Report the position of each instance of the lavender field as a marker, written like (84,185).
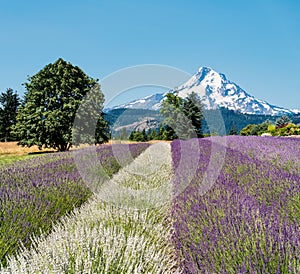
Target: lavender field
(212,205)
(248,222)
(110,236)
(37,192)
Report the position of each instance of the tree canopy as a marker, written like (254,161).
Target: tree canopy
(52,98)
(10,102)
(283,121)
(233,129)
(183,117)
(138,136)
(247,130)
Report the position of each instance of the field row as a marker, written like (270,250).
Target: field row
(37,192)
(248,220)
(111,236)
(212,205)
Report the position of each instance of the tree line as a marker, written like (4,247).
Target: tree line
(283,126)
(182,120)
(45,116)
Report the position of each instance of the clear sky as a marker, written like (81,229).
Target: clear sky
(254,43)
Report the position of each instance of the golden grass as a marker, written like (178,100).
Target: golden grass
(12,149)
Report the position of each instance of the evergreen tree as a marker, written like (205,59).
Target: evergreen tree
(132,136)
(160,132)
(10,102)
(283,121)
(233,130)
(145,137)
(171,109)
(137,136)
(183,118)
(152,135)
(102,132)
(193,110)
(168,133)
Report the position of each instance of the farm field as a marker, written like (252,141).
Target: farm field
(11,152)
(212,205)
(36,192)
(112,236)
(12,149)
(248,221)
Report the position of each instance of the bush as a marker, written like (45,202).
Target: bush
(290,129)
(272,129)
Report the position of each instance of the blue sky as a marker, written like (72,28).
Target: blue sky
(255,43)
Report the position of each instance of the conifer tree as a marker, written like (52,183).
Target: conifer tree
(10,102)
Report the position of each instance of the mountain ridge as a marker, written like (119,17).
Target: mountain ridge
(215,91)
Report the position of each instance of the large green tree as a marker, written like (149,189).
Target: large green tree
(193,110)
(183,117)
(171,109)
(89,127)
(10,102)
(53,96)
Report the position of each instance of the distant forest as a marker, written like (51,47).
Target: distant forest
(122,117)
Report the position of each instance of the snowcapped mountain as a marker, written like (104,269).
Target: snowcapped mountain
(215,91)
(148,102)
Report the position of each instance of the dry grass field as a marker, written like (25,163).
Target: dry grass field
(11,152)
(12,149)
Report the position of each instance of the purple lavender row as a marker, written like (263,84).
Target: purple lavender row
(37,192)
(281,151)
(247,222)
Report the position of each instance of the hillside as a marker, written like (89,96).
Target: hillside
(119,118)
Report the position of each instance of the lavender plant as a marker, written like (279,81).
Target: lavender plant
(146,219)
(112,235)
(280,151)
(243,224)
(37,192)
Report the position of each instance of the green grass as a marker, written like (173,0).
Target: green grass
(10,159)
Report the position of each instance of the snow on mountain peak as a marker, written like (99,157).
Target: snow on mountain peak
(205,76)
(215,91)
